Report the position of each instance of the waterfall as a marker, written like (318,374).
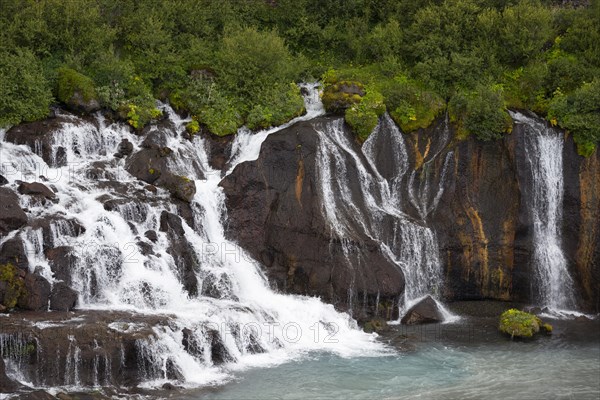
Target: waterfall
(248,322)
(544,152)
(374,206)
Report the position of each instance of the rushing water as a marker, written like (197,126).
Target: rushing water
(466,362)
(111,273)
(544,151)
(409,244)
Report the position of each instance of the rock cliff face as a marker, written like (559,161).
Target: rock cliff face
(474,195)
(274,209)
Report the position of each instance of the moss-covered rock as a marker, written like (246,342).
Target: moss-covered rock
(339,96)
(12,286)
(375,325)
(364,116)
(77,91)
(521,324)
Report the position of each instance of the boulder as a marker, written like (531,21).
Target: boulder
(3,180)
(151,236)
(180,187)
(62,298)
(13,252)
(424,312)
(37,293)
(520,324)
(125,149)
(61,260)
(340,95)
(36,189)
(11,215)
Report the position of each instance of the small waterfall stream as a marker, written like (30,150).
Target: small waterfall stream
(253,324)
(375,207)
(544,151)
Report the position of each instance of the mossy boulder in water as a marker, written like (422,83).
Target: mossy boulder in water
(522,324)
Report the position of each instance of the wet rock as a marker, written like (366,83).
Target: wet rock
(190,344)
(146,165)
(6,384)
(11,215)
(424,312)
(35,395)
(172,372)
(3,180)
(60,157)
(62,259)
(38,136)
(180,187)
(151,236)
(169,386)
(182,252)
(13,252)
(125,147)
(79,103)
(36,189)
(218,350)
(37,293)
(275,213)
(63,298)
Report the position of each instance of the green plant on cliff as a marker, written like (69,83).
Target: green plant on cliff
(14,286)
(521,324)
(579,113)
(25,94)
(71,82)
(481,112)
(364,115)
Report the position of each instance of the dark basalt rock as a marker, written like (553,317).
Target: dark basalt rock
(61,260)
(151,236)
(36,189)
(425,311)
(3,180)
(274,210)
(6,384)
(13,252)
(11,215)
(125,147)
(63,298)
(37,293)
(38,136)
(181,251)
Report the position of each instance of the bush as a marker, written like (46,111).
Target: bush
(275,107)
(364,116)
(411,106)
(521,324)
(481,112)
(25,94)
(221,116)
(71,82)
(579,113)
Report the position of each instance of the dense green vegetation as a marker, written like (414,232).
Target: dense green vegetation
(232,62)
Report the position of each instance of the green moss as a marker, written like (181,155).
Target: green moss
(375,325)
(71,82)
(192,127)
(15,287)
(520,324)
(339,96)
(364,116)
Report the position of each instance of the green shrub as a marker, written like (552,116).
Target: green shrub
(192,127)
(525,87)
(71,82)
(15,287)
(25,94)
(276,107)
(481,112)
(364,116)
(521,324)
(221,116)
(411,106)
(579,113)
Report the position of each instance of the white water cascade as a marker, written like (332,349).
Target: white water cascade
(544,152)
(375,208)
(113,274)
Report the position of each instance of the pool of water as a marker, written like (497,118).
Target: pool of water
(474,364)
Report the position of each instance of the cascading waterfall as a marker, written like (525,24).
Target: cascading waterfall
(376,205)
(253,324)
(544,152)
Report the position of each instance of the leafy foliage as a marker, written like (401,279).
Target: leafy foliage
(230,63)
(24,91)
